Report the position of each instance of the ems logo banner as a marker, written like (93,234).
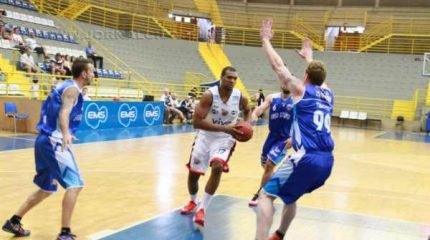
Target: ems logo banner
(111,115)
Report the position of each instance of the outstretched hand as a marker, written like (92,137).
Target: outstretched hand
(266,32)
(306,52)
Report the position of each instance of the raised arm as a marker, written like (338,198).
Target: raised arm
(68,101)
(200,113)
(263,107)
(284,75)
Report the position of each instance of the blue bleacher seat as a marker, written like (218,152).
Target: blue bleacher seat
(72,39)
(25,5)
(117,74)
(110,74)
(11,2)
(60,37)
(99,73)
(39,33)
(45,34)
(31,30)
(66,38)
(18,3)
(32,7)
(23,30)
(105,73)
(52,36)
(4,1)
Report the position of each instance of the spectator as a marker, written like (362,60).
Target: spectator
(16,40)
(85,94)
(187,107)
(91,53)
(175,112)
(259,97)
(2,22)
(27,62)
(57,65)
(68,65)
(31,42)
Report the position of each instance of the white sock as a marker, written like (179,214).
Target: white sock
(194,198)
(207,198)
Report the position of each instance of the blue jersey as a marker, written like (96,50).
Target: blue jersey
(280,118)
(49,123)
(312,117)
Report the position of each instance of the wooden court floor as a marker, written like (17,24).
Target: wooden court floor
(128,181)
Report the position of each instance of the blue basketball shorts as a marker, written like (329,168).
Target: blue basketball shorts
(273,150)
(302,173)
(55,166)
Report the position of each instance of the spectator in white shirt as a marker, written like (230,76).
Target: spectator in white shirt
(85,94)
(16,39)
(27,61)
(31,42)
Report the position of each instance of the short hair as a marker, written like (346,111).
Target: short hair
(317,72)
(80,65)
(228,68)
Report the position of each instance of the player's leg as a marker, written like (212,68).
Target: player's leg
(197,166)
(288,214)
(264,216)
(70,178)
(43,179)
(263,159)
(275,153)
(220,153)
(13,225)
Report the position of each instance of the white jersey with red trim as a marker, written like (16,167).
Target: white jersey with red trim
(222,113)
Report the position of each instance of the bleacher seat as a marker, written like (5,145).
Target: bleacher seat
(45,34)
(52,36)
(39,33)
(23,30)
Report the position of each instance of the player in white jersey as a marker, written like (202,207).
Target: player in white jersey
(215,116)
(55,163)
(310,167)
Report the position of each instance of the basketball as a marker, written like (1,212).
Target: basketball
(246,130)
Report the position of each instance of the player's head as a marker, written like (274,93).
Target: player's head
(315,73)
(83,69)
(228,77)
(285,89)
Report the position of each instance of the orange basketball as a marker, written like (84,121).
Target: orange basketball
(246,130)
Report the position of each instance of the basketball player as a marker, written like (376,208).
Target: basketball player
(60,117)
(280,119)
(310,167)
(215,116)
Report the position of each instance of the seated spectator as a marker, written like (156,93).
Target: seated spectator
(68,65)
(31,42)
(57,65)
(27,62)
(85,94)
(2,22)
(174,109)
(91,53)
(187,107)
(16,40)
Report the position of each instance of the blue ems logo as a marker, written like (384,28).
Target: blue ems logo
(151,114)
(95,115)
(127,114)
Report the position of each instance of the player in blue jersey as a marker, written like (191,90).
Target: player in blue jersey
(280,119)
(310,167)
(60,117)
